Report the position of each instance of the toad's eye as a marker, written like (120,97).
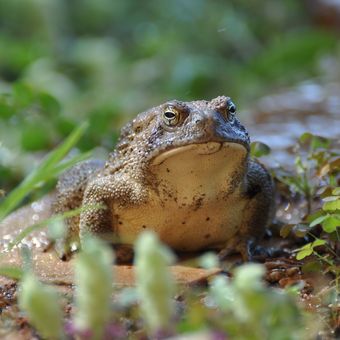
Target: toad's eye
(230,111)
(171,116)
(231,107)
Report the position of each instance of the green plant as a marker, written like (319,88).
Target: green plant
(317,163)
(50,167)
(41,305)
(242,307)
(155,286)
(93,292)
(315,178)
(250,310)
(259,149)
(94,287)
(40,302)
(328,217)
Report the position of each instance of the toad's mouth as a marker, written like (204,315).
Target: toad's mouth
(199,149)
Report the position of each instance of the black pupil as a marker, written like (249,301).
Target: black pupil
(169,115)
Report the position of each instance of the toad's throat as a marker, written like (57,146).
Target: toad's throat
(199,169)
(200,149)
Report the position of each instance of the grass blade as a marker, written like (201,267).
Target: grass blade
(44,172)
(44,223)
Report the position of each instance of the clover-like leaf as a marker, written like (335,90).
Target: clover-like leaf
(332,205)
(318,220)
(258,149)
(330,223)
(305,251)
(308,249)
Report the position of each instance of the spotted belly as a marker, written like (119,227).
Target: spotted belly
(202,224)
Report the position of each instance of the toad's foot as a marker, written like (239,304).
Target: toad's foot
(65,248)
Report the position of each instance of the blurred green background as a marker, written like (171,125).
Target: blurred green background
(63,61)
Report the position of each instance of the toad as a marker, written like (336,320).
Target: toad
(182,170)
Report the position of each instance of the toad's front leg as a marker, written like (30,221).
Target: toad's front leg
(257,214)
(98,217)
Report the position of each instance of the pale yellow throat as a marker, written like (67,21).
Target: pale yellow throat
(199,168)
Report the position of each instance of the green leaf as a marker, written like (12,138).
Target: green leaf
(155,284)
(59,153)
(318,220)
(319,142)
(315,142)
(64,125)
(331,198)
(49,104)
(307,136)
(331,223)
(53,219)
(41,304)
(318,242)
(23,94)
(331,205)
(6,111)
(308,249)
(258,149)
(34,137)
(44,172)
(70,162)
(305,251)
(93,268)
(310,218)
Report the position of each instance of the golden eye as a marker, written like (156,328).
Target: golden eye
(171,116)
